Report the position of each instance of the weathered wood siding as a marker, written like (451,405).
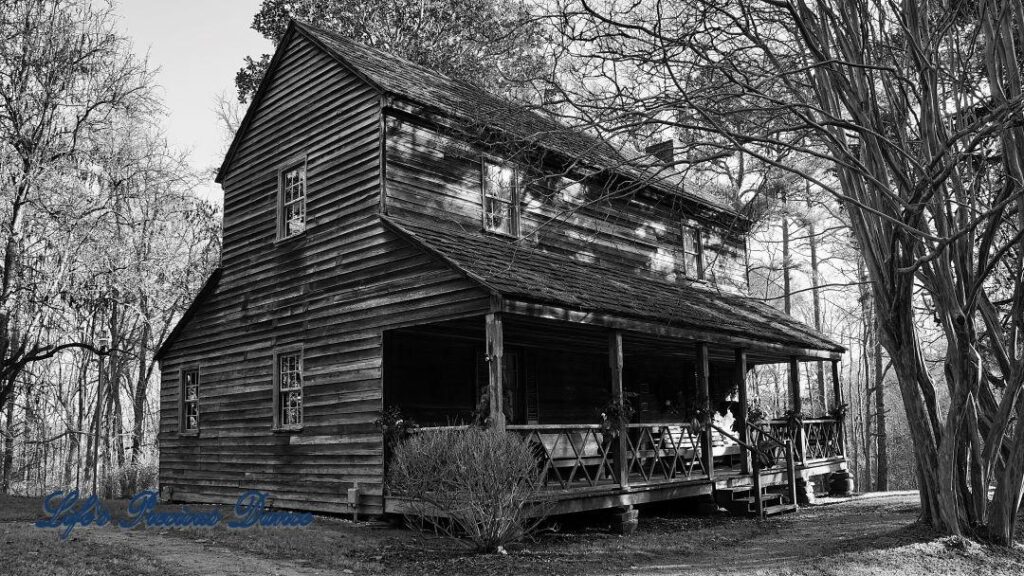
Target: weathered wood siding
(330,292)
(429,175)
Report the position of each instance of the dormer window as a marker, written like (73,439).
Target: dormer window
(500,198)
(693,253)
(292,200)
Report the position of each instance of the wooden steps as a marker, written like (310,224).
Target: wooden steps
(779,509)
(740,501)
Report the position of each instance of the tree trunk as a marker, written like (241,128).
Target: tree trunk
(142,384)
(5,483)
(867,346)
(899,337)
(812,242)
(881,439)
(786,288)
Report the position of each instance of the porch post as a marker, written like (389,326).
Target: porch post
(740,379)
(798,405)
(495,365)
(794,384)
(704,387)
(619,397)
(841,481)
(837,393)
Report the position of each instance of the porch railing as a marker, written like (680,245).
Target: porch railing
(587,455)
(664,452)
(574,456)
(770,443)
(571,455)
(815,439)
(822,439)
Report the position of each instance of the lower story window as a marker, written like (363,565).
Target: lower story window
(289,390)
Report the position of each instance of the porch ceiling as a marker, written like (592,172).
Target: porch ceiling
(548,285)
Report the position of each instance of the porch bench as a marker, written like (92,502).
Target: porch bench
(677,436)
(722,446)
(563,448)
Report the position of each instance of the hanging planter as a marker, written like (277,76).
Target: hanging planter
(838,412)
(795,419)
(615,415)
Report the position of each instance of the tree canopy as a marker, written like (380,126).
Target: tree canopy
(493,43)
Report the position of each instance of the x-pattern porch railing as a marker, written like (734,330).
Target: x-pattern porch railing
(571,456)
(576,456)
(822,439)
(582,455)
(816,439)
(664,452)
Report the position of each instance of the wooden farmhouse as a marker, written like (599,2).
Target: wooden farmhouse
(394,239)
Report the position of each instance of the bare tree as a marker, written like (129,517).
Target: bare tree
(63,73)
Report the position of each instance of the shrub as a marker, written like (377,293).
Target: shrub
(477,485)
(130,479)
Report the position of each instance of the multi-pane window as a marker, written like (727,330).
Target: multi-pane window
(190,400)
(693,252)
(500,199)
(293,201)
(289,390)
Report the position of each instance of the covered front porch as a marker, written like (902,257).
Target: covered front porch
(556,377)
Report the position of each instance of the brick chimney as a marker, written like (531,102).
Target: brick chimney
(664,151)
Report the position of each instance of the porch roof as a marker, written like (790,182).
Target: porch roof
(518,272)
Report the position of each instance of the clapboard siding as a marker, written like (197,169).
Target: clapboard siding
(331,292)
(341,336)
(430,175)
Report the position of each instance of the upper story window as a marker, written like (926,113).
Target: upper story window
(292,201)
(500,198)
(693,252)
(288,391)
(189,400)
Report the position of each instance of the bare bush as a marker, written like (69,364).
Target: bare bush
(130,479)
(479,486)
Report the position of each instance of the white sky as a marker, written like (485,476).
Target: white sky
(198,46)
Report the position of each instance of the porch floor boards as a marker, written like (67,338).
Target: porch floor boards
(639,491)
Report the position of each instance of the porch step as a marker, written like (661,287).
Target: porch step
(741,502)
(768,500)
(779,509)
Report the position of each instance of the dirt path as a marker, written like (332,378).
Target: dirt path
(192,556)
(872,534)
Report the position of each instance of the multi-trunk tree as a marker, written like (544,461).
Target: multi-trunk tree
(917,106)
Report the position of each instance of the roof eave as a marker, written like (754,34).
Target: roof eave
(294,27)
(208,287)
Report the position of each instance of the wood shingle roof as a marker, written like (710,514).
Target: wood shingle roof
(523,273)
(519,124)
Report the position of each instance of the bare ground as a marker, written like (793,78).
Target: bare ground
(868,535)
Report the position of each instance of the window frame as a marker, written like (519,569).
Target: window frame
(697,233)
(182,402)
(514,203)
(286,167)
(278,424)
